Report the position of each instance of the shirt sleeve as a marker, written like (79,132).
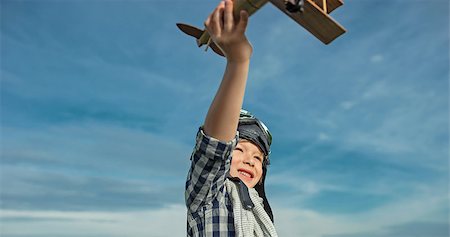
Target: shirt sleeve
(210,161)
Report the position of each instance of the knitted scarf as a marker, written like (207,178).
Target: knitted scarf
(254,222)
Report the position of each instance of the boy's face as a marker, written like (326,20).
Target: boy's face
(247,163)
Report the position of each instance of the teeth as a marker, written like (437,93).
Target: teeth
(245,174)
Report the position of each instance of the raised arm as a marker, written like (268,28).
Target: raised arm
(229,34)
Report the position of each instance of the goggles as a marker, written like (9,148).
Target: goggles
(246,118)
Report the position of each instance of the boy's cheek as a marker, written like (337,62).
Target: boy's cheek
(233,171)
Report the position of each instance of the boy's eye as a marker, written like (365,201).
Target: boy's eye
(258,158)
(239,149)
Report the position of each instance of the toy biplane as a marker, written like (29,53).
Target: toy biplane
(313,15)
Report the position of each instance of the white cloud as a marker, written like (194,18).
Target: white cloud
(300,185)
(91,166)
(96,145)
(336,98)
(308,223)
(377,58)
(405,121)
(348,105)
(289,221)
(170,221)
(378,89)
(323,136)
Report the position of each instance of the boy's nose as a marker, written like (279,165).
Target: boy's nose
(248,160)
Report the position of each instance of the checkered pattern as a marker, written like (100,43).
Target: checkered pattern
(210,212)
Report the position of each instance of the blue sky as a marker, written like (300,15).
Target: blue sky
(101,100)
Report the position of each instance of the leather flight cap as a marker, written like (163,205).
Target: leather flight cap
(253,130)
(249,129)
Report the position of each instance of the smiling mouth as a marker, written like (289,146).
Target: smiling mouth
(245,173)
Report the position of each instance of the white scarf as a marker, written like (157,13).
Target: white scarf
(255,222)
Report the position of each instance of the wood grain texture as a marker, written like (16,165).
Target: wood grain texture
(331,4)
(315,20)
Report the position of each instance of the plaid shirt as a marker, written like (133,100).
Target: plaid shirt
(210,211)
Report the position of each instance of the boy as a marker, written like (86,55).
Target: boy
(225,185)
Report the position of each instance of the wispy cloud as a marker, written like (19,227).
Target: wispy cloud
(95,166)
(101,103)
(55,223)
(388,220)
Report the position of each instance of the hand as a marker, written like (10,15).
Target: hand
(229,33)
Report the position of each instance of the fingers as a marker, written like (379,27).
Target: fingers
(208,22)
(218,16)
(242,25)
(228,16)
(214,22)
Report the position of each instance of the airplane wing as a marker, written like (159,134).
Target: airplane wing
(315,18)
(331,4)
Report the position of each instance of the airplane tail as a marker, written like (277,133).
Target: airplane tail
(202,37)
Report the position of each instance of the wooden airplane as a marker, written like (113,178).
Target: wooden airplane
(313,15)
